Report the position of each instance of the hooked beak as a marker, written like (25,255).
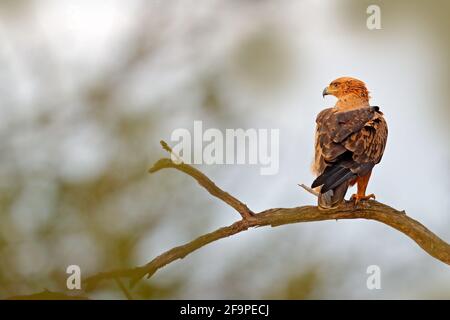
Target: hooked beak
(325,92)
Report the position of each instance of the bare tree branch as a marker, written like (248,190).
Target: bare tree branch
(203,180)
(310,190)
(124,289)
(49,295)
(371,210)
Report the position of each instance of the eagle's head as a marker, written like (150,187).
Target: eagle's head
(345,86)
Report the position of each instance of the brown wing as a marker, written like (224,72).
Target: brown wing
(324,148)
(348,144)
(367,144)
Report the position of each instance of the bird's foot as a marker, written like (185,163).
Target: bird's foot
(357,198)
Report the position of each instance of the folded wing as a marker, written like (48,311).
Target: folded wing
(348,144)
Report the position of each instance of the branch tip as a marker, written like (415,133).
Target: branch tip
(308,189)
(165,146)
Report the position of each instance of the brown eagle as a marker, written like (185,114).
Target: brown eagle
(350,141)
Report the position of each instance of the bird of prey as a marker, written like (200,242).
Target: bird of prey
(350,141)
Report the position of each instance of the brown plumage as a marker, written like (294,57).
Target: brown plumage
(350,141)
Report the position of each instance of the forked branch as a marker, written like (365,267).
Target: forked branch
(371,210)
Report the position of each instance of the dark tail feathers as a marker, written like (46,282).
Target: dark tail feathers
(335,182)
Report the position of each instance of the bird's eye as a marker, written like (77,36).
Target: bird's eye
(334,85)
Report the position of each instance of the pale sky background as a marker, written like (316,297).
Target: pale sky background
(231,64)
